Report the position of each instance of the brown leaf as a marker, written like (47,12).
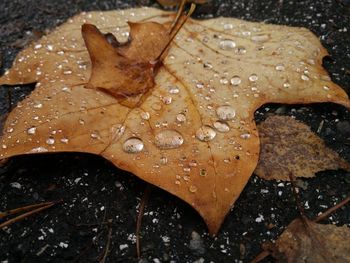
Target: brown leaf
(176,2)
(194,133)
(125,70)
(306,241)
(289,146)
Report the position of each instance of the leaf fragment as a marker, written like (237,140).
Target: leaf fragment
(289,146)
(306,241)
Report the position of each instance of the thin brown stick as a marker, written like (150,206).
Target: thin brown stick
(331,210)
(144,200)
(190,12)
(21,217)
(109,238)
(178,15)
(261,256)
(22,209)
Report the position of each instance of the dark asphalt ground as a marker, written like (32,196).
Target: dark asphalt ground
(95,191)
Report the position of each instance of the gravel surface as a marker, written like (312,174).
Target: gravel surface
(94,191)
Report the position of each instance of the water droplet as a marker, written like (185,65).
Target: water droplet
(225,113)
(31,131)
(253,77)
(205,133)
(145,115)
(38,105)
(221,126)
(193,163)
(224,81)
(174,90)
(50,141)
(207,65)
(227,44)
(167,100)
(236,80)
(180,118)
(4,146)
(286,84)
(168,139)
(49,47)
(260,38)
(240,50)
(133,145)
(245,135)
(64,140)
(228,26)
(199,85)
(95,135)
(203,172)
(9,130)
(163,160)
(81,121)
(38,46)
(326,88)
(117,131)
(280,67)
(66,89)
(304,77)
(192,189)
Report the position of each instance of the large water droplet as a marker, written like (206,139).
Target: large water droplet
(221,126)
(225,113)
(205,133)
(227,44)
(133,145)
(236,80)
(168,139)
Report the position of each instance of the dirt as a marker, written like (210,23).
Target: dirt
(94,191)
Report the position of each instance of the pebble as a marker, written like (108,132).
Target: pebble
(196,243)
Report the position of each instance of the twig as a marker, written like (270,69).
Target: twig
(144,200)
(326,214)
(21,217)
(109,237)
(261,256)
(22,209)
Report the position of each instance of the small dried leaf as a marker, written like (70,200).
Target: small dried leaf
(194,133)
(313,243)
(289,146)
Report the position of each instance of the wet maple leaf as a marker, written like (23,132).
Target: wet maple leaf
(289,147)
(193,133)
